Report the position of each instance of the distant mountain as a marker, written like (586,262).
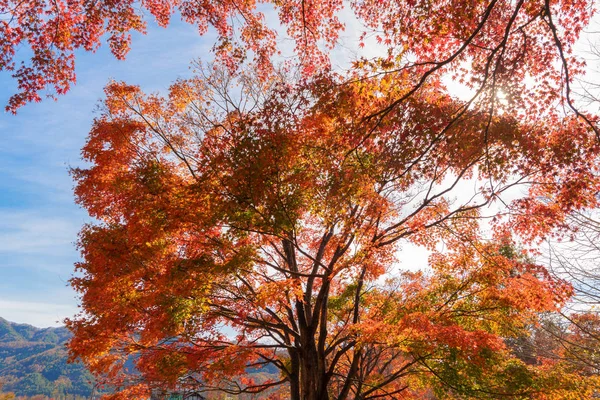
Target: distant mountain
(33,361)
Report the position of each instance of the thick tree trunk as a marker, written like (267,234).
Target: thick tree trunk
(308,380)
(312,374)
(294,376)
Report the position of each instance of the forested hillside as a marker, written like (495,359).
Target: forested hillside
(33,361)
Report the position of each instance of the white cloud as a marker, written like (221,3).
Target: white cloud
(39,313)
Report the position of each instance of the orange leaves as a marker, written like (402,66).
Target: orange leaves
(430,334)
(493,275)
(253,218)
(54,30)
(277,293)
(138,391)
(311,22)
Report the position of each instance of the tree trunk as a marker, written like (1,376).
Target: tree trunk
(312,374)
(294,376)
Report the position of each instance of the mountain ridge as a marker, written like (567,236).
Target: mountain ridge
(33,361)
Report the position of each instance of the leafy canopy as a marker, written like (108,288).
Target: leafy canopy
(487,44)
(246,222)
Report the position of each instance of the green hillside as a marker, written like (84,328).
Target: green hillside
(33,361)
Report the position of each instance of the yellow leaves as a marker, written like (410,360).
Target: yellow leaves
(560,382)
(120,97)
(181,94)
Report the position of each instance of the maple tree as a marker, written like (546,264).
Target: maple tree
(277,213)
(246,221)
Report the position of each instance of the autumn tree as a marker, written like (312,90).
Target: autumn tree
(573,256)
(275,210)
(243,222)
(574,334)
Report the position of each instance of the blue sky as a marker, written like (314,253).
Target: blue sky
(39,220)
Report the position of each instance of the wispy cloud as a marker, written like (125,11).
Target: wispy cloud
(40,314)
(32,233)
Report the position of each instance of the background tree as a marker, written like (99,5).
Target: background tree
(577,332)
(568,340)
(244,222)
(576,258)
